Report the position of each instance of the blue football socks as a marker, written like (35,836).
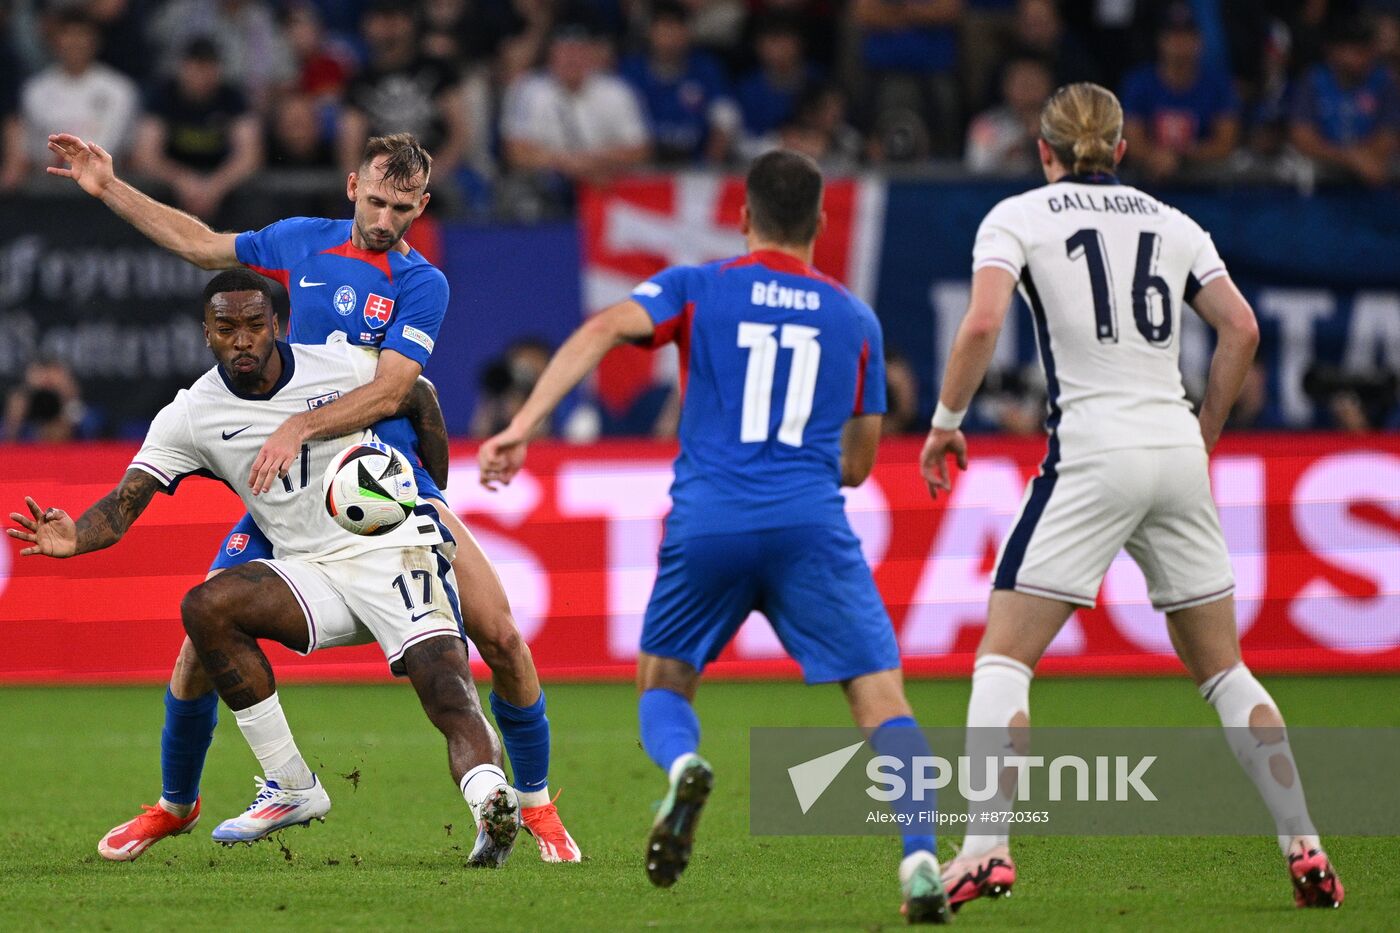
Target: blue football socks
(525,733)
(669,726)
(900,738)
(184,742)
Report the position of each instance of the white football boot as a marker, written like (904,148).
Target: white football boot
(275,808)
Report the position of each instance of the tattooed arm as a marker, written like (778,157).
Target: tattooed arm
(52,533)
(423,411)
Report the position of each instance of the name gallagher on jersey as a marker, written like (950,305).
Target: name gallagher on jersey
(1104,204)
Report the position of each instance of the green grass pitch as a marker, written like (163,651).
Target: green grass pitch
(77,761)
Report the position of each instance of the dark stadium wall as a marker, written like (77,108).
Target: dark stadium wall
(78,284)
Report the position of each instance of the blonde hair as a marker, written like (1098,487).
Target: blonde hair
(1082,123)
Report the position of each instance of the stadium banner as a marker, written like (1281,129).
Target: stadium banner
(1320,300)
(1312,522)
(77,284)
(636,227)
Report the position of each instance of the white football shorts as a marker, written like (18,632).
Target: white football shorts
(1077,516)
(397,596)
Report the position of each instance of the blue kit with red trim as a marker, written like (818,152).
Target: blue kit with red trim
(775,359)
(384,300)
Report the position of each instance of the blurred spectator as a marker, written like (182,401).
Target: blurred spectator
(251,47)
(1345,111)
(444,25)
(294,137)
(122,24)
(909,53)
(1176,111)
(718,26)
(768,96)
(819,129)
(199,136)
(506,383)
(573,118)
(76,94)
(902,414)
(1387,26)
(1038,30)
(47,407)
(1353,399)
(1002,140)
(818,20)
(401,91)
(322,68)
(684,92)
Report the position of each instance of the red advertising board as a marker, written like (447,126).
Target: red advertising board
(1313,523)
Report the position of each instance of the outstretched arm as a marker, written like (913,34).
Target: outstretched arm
(972,351)
(52,533)
(424,412)
(501,457)
(90,166)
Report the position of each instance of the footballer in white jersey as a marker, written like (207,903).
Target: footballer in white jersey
(215,428)
(325,587)
(1107,271)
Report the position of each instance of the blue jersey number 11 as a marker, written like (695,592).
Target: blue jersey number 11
(758,339)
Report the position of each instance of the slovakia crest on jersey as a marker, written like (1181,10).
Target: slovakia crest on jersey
(344,300)
(236,544)
(378,310)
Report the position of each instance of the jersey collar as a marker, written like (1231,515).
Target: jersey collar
(1096,178)
(289,365)
(779,261)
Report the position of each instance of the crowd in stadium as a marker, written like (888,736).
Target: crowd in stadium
(519,99)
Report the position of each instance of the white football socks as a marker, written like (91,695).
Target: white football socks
(533,798)
(265,727)
(1001,695)
(1254,729)
(478,783)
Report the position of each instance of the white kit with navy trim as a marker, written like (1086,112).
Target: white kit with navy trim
(212,430)
(1106,271)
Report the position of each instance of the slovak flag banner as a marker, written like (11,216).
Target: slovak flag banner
(636,227)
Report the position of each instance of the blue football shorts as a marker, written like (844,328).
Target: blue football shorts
(810,581)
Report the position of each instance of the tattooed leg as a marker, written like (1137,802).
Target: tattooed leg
(224,618)
(442,677)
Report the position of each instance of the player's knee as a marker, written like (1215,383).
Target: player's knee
(204,609)
(502,643)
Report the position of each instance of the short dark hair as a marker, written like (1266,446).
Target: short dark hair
(785,197)
(200,49)
(672,10)
(237,280)
(406,159)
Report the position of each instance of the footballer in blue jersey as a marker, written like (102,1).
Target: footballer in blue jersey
(359,281)
(782,373)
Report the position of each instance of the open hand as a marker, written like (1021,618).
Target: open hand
(50,532)
(87,163)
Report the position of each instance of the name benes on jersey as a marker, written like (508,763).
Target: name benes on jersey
(209,428)
(773,295)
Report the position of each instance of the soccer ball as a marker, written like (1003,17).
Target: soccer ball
(370,488)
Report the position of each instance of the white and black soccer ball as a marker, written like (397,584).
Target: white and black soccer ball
(370,488)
